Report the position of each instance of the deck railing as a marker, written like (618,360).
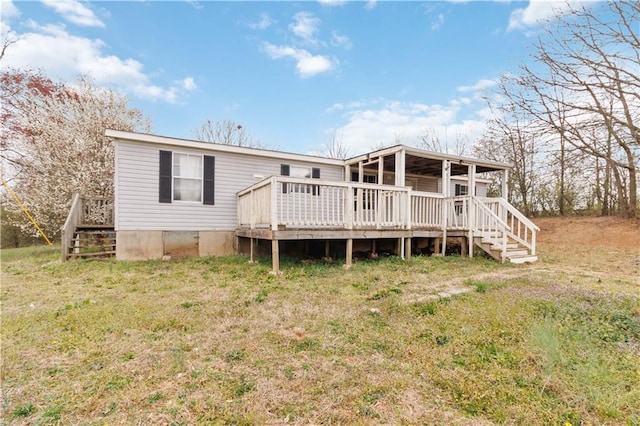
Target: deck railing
(280,201)
(426,209)
(88,212)
(301,203)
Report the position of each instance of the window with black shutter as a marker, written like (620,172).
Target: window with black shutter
(208,188)
(186,177)
(165,176)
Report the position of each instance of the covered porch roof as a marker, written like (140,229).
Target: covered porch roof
(421,162)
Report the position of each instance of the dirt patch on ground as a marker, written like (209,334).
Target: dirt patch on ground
(611,232)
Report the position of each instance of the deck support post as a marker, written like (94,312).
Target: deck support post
(327,251)
(464,251)
(400,249)
(349,254)
(252,250)
(374,247)
(275,257)
(436,245)
(407,249)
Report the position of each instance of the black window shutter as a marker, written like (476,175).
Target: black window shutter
(165,176)
(315,174)
(458,189)
(208,191)
(285,170)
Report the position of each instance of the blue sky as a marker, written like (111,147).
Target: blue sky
(294,74)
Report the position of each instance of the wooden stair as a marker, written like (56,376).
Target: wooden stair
(515,251)
(93,242)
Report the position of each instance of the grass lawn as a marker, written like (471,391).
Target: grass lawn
(219,341)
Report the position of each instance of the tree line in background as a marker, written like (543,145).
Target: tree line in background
(569,124)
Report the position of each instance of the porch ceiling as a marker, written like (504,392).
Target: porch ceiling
(422,166)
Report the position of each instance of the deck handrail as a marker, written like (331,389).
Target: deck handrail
(70,225)
(490,226)
(97,211)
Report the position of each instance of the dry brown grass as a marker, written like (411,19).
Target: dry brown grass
(218,341)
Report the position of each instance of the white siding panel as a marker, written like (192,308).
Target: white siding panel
(481,187)
(137,180)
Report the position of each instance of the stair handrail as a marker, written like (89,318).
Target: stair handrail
(487,210)
(501,227)
(518,214)
(513,217)
(531,227)
(73,220)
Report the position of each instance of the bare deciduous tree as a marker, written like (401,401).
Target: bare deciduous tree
(584,88)
(336,148)
(225,132)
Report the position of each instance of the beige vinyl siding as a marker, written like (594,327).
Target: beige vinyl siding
(137,180)
(428,184)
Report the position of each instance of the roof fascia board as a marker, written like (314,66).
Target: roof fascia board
(429,154)
(210,146)
(375,154)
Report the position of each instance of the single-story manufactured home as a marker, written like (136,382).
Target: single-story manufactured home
(177,197)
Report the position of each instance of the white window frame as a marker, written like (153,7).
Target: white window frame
(174,177)
(464,189)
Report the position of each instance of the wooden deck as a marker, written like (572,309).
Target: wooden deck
(285,208)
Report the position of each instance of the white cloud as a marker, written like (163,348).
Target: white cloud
(195,4)
(538,11)
(338,40)
(63,56)
(189,84)
(8,10)
(481,85)
(332,2)
(437,24)
(264,22)
(371,4)
(373,122)
(307,64)
(74,12)
(305,27)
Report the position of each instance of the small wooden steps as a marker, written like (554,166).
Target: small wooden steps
(515,252)
(93,242)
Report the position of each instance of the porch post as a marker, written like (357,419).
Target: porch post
(380,170)
(400,164)
(446,173)
(472,207)
(275,257)
(347,173)
(505,186)
(349,255)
